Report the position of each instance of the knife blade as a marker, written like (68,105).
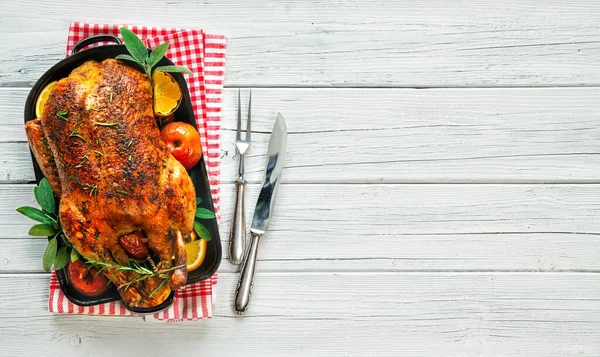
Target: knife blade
(263,212)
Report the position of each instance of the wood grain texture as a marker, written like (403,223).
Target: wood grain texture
(455,221)
(390,228)
(395,136)
(350,44)
(324,314)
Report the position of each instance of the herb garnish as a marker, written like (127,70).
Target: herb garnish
(105,124)
(84,158)
(110,99)
(138,53)
(98,152)
(63,114)
(93,190)
(49,226)
(202,213)
(121,192)
(142,271)
(74,132)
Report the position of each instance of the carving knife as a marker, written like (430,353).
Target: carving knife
(262,212)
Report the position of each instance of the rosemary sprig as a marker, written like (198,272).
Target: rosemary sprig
(74,132)
(121,192)
(63,114)
(141,271)
(111,97)
(105,124)
(84,158)
(93,191)
(163,282)
(98,152)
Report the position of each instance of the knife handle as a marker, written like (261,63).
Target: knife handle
(237,233)
(243,291)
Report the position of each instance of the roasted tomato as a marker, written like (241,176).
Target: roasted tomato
(183,141)
(86,280)
(134,244)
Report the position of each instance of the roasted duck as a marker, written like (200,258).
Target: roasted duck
(123,196)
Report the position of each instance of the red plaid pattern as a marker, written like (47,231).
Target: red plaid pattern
(203,54)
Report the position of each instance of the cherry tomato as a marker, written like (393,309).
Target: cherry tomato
(183,141)
(86,280)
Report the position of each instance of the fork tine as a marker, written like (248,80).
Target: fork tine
(239,121)
(248,128)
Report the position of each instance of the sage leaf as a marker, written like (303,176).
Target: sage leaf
(42,230)
(62,258)
(204,213)
(49,254)
(65,240)
(52,222)
(201,231)
(157,54)
(44,196)
(74,255)
(34,213)
(126,57)
(173,69)
(134,45)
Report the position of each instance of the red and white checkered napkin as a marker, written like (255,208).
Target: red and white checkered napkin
(203,54)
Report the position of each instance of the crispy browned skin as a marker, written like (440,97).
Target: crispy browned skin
(43,154)
(120,178)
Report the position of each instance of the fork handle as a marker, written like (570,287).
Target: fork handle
(237,233)
(243,290)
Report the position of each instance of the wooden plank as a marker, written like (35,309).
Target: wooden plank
(390,227)
(361,43)
(403,135)
(324,314)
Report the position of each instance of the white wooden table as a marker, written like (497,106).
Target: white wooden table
(441,193)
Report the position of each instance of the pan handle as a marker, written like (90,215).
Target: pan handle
(93,39)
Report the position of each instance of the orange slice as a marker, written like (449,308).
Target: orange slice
(167,94)
(195,252)
(43,98)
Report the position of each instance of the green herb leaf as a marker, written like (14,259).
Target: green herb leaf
(125,57)
(53,223)
(42,230)
(66,241)
(34,213)
(44,196)
(63,114)
(157,54)
(204,213)
(74,255)
(62,258)
(201,231)
(157,288)
(134,45)
(173,69)
(198,200)
(49,254)
(105,124)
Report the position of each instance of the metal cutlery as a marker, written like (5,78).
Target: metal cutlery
(237,232)
(262,212)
